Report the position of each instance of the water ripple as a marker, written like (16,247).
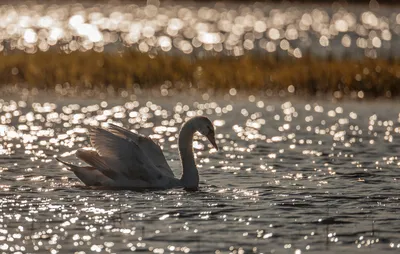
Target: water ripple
(292,176)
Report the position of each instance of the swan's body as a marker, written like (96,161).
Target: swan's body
(123,159)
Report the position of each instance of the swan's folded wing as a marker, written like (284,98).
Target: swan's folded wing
(92,158)
(123,155)
(148,146)
(88,175)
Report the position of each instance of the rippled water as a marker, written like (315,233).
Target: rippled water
(187,27)
(291,177)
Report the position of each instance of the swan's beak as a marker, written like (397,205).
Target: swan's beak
(211,138)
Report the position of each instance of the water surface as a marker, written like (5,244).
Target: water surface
(234,28)
(291,177)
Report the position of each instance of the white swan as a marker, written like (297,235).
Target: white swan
(123,159)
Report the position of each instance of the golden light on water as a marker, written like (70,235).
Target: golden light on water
(276,155)
(291,175)
(166,27)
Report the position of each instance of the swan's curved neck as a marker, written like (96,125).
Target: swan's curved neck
(190,174)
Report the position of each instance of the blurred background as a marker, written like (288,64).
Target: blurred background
(337,48)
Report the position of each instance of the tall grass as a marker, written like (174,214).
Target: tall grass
(307,75)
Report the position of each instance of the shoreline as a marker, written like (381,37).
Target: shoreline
(53,96)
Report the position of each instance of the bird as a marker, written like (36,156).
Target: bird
(123,159)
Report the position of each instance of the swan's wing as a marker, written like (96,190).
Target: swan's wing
(88,175)
(93,159)
(148,146)
(124,155)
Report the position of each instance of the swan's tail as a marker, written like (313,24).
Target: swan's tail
(88,175)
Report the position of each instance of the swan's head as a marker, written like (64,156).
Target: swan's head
(203,125)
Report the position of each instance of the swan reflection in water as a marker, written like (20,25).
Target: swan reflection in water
(123,159)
